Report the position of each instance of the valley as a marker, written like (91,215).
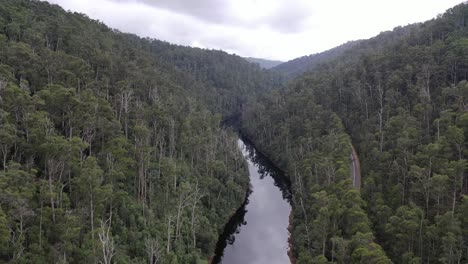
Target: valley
(121,149)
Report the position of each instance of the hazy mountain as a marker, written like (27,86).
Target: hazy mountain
(265,64)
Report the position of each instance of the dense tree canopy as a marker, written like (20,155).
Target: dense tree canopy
(111,147)
(399,98)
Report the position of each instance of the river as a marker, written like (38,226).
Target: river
(257,233)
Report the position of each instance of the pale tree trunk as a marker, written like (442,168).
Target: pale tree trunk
(153,250)
(91,209)
(168,245)
(454,201)
(125,101)
(183,202)
(4,153)
(52,206)
(381,113)
(107,243)
(196,199)
(299,182)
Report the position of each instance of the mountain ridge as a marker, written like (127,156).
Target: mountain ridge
(298,66)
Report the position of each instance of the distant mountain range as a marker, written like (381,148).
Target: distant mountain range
(265,64)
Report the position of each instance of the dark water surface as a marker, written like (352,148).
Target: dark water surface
(257,233)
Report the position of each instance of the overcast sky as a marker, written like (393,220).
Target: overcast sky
(271,29)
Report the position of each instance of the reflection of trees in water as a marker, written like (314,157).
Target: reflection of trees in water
(232,227)
(266,167)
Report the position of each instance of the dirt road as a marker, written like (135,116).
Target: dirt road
(355,169)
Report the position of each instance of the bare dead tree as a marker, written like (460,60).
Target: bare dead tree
(108,247)
(18,230)
(197,195)
(54,168)
(183,202)
(153,250)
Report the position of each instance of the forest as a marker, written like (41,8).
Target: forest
(113,150)
(400,99)
(108,152)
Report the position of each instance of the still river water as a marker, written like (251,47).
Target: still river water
(257,233)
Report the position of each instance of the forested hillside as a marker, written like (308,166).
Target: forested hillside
(400,98)
(111,147)
(309,142)
(227,80)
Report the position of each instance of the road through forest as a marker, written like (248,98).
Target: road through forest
(355,169)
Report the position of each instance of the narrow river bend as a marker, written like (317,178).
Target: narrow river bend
(257,233)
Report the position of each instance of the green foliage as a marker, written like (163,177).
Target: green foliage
(310,144)
(111,145)
(400,97)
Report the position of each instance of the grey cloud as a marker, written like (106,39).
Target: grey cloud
(287,29)
(213,11)
(288,18)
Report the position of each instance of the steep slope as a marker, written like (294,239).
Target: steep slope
(401,98)
(310,144)
(228,80)
(110,145)
(265,64)
(296,67)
